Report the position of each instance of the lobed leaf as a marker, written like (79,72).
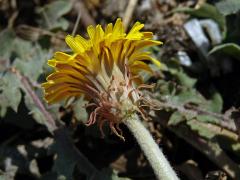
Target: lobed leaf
(227,7)
(10,94)
(231,49)
(52,14)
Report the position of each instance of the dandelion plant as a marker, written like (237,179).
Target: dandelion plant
(105,70)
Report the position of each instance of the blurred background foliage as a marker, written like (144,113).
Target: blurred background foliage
(197,92)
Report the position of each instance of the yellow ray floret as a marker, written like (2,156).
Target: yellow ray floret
(106,53)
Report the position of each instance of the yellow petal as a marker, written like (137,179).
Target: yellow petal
(147,43)
(156,62)
(134,32)
(109,28)
(148,35)
(91,32)
(118,29)
(85,43)
(61,56)
(75,46)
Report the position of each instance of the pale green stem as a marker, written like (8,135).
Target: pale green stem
(156,158)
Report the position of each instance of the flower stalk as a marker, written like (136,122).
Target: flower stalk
(155,156)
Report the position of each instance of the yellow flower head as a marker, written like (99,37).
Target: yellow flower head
(104,68)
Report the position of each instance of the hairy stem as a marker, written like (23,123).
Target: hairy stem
(156,158)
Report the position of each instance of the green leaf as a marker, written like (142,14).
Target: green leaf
(176,70)
(52,14)
(61,23)
(216,103)
(32,64)
(57,9)
(34,110)
(7,39)
(231,49)
(207,118)
(188,96)
(166,88)
(227,7)
(22,48)
(10,95)
(185,80)
(175,119)
(206,11)
(201,130)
